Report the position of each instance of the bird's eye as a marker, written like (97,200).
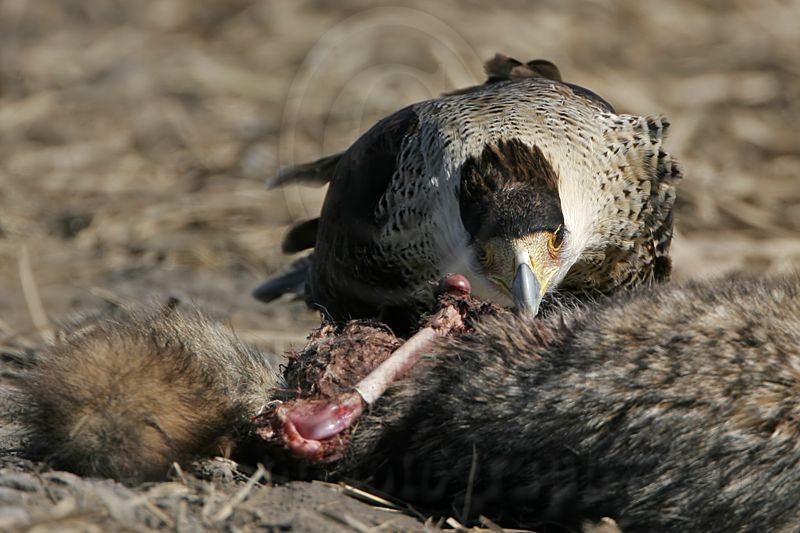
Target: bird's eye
(554,244)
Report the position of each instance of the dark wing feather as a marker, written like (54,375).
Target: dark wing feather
(350,277)
(316,173)
(301,236)
(503,68)
(344,274)
(290,280)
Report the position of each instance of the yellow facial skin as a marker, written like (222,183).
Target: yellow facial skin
(541,251)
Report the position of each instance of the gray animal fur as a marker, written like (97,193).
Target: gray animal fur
(671,410)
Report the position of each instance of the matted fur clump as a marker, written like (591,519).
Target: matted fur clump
(336,357)
(125,396)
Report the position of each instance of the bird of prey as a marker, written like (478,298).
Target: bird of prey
(524,184)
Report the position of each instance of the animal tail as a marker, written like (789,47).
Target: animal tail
(126,396)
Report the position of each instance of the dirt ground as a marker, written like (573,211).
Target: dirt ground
(135,137)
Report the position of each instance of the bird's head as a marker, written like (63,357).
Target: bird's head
(524,268)
(511,208)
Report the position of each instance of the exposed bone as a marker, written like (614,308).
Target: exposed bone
(375,384)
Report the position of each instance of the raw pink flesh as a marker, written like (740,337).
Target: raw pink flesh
(308,426)
(318,421)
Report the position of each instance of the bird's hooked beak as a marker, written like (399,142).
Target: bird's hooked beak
(524,268)
(526,290)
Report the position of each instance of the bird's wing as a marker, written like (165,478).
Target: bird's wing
(354,273)
(362,174)
(366,169)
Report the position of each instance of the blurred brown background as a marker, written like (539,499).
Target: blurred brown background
(135,135)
